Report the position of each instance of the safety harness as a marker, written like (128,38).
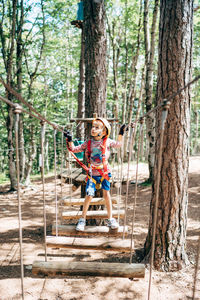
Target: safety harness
(104,173)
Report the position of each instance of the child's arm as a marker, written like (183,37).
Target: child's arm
(70,144)
(117,143)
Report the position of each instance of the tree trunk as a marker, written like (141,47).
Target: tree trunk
(19,88)
(196,146)
(32,155)
(12,168)
(81,87)
(174,71)
(149,59)
(10,119)
(95,58)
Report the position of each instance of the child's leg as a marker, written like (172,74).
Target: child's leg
(86,205)
(106,195)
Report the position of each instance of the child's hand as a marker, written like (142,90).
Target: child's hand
(68,136)
(122,129)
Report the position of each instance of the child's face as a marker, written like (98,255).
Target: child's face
(98,130)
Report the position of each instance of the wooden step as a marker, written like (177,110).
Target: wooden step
(92,214)
(70,230)
(100,243)
(80,201)
(103,269)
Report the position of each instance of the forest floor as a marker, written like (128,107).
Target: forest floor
(165,285)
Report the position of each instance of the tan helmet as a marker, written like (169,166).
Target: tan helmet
(106,124)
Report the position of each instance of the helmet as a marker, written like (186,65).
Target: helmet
(106,124)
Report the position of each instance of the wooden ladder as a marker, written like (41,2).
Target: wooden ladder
(93,238)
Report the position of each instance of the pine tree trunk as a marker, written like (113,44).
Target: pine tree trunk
(149,59)
(174,71)
(10,118)
(31,156)
(95,58)
(81,87)
(19,88)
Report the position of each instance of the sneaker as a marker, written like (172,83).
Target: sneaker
(113,224)
(80,225)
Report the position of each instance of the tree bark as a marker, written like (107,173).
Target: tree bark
(19,51)
(149,60)
(95,58)
(10,119)
(81,87)
(174,71)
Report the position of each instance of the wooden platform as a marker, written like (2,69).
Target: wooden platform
(79,178)
(62,268)
(92,214)
(70,230)
(100,243)
(80,201)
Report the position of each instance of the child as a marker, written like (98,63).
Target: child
(97,151)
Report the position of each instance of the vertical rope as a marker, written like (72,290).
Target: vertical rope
(136,184)
(43,187)
(17,111)
(61,171)
(55,177)
(128,171)
(196,270)
(164,117)
(118,182)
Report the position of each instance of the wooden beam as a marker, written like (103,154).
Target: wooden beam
(70,230)
(92,214)
(80,201)
(100,243)
(63,268)
(91,119)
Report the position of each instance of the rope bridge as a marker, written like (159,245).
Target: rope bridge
(88,270)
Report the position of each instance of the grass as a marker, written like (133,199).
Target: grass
(4,179)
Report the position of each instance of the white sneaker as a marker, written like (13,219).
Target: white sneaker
(113,224)
(81,224)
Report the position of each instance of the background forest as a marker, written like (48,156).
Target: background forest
(40,56)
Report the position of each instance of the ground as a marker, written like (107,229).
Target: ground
(176,285)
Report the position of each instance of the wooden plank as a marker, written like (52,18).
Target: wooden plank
(100,243)
(80,201)
(90,120)
(80,179)
(92,214)
(103,269)
(70,230)
(73,174)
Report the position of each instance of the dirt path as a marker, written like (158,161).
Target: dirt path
(176,286)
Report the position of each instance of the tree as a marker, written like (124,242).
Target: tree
(95,57)
(174,71)
(149,61)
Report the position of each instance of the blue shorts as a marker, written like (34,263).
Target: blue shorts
(91,187)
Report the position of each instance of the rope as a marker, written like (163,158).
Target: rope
(17,111)
(55,178)
(43,187)
(21,99)
(136,184)
(40,117)
(155,212)
(196,270)
(61,168)
(132,140)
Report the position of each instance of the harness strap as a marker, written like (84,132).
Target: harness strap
(78,161)
(103,174)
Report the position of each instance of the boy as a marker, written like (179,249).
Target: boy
(97,151)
